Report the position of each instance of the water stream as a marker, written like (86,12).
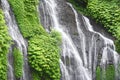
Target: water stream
(79,62)
(19,41)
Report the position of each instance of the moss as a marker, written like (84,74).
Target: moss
(108,74)
(98,73)
(117,43)
(26,15)
(18,63)
(4,47)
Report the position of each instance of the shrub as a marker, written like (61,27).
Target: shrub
(44,55)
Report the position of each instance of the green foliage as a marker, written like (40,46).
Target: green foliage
(117,43)
(108,74)
(56,35)
(44,57)
(98,73)
(4,47)
(27,16)
(83,3)
(18,63)
(106,13)
(35,75)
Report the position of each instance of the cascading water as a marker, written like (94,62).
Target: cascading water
(78,62)
(19,42)
(69,52)
(83,49)
(109,55)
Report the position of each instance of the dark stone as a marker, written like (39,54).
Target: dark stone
(101,29)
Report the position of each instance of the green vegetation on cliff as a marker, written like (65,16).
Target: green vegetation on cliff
(43,48)
(4,47)
(108,74)
(26,15)
(44,57)
(107,13)
(18,62)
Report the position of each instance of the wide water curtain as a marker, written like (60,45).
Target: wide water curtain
(83,50)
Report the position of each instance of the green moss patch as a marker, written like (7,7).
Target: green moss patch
(18,63)
(108,74)
(27,16)
(4,47)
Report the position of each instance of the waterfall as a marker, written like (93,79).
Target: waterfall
(83,48)
(20,42)
(78,62)
(69,50)
(109,55)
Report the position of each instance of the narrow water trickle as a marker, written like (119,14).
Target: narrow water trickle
(19,41)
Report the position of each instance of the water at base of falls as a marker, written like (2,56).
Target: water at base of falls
(81,53)
(19,41)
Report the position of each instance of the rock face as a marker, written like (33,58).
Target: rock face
(99,28)
(67,17)
(83,49)
(0,3)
